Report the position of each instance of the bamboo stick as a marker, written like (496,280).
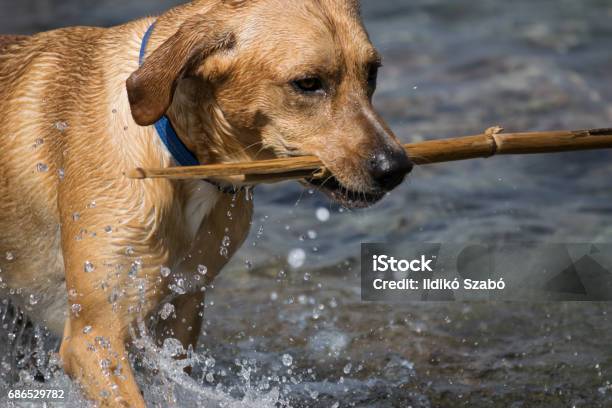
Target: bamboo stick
(490,143)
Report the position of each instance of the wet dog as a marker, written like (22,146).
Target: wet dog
(88,252)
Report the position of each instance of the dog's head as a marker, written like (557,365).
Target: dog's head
(275,78)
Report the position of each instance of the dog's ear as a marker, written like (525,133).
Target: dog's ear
(151,88)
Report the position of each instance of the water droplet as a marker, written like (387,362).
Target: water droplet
(165,271)
(108,229)
(296,258)
(76,216)
(10,256)
(226,241)
(178,287)
(323,214)
(210,377)
(34,299)
(92,205)
(61,126)
(89,267)
(312,234)
(61,174)
(129,251)
(166,311)
(287,360)
(202,270)
(76,309)
(135,268)
(307,277)
(87,329)
(273,296)
(172,348)
(103,342)
(39,142)
(42,168)
(105,364)
(210,362)
(347,368)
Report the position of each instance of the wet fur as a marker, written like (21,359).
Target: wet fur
(70,126)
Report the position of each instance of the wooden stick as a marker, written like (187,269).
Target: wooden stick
(490,143)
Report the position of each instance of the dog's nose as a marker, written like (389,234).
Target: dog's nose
(388,168)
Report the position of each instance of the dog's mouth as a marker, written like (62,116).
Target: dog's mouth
(348,198)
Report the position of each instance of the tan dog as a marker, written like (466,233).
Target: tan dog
(239,80)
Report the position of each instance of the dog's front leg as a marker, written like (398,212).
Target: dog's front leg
(93,349)
(107,291)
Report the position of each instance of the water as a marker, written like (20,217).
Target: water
(450,69)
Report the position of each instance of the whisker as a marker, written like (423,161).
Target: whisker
(244,149)
(299,200)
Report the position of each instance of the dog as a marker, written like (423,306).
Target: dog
(88,252)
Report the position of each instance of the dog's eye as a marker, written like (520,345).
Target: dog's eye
(310,85)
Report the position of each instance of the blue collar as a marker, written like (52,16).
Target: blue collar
(181,154)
